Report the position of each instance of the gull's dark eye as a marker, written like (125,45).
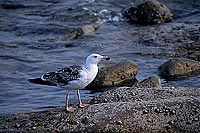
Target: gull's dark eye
(95,56)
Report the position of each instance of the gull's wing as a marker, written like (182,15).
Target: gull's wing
(59,78)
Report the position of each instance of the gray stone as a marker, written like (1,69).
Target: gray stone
(150,12)
(195,55)
(117,116)
(80,32)
(179,68)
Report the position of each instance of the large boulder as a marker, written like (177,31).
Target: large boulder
(179,68)
(117,74)
(150,12)
(126,109)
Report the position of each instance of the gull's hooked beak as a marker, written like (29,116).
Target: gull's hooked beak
(105,57)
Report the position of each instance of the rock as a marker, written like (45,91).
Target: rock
(90,28)
(145,111)
(75,34)
(85,30)
(179,68)
(11,5)
(85,120)
(189,43)
(195,56)
(150,12)
(119,122)
(127,94)
(150,83)
(118,74)
(17,125)
(116,116)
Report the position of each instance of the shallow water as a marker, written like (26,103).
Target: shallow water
(33,41)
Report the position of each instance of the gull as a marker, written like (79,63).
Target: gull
(73,77)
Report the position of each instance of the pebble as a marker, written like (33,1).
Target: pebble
(16,117)
(73,122)
(149,120)
(167,110)
(172,112)
(189,122)
(195,119)
(157,110)
(165,107)
(145,111)
(171,122)
(17,125)
(139,99)
(163,131)
(5,127)
(161,111)
(119,122)
(85,120)
(168,127)
(105,100)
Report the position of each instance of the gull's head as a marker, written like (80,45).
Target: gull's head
(96,58)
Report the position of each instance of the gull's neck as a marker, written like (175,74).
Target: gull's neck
(91,67)
(92,70)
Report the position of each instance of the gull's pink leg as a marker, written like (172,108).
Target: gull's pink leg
(69,109)
(79,99)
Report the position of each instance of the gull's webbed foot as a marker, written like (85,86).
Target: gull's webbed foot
(71,109)
(82,105)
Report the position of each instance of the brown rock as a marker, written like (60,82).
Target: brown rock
(179,68)
(150,12)
(150,82)
(117,74)
(80,32)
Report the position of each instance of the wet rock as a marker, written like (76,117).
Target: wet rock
(85,30)
(172,112)
(145,111)
(118,74)
(171,122)
(150,12)
(119,122)
(195,56)
(17,125)
(12,5)
(75,34)
(179,68)
(85,120)
(195,119)
(117,116)
(149,83)
(187,41)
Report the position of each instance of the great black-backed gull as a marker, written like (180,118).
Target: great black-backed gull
(73,77)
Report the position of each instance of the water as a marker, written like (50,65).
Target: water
(33,40)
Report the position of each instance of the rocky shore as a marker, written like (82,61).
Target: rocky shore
(123,109)
(143,106)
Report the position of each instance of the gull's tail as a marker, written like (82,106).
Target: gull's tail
(40,81)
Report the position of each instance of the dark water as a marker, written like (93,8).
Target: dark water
(33,40)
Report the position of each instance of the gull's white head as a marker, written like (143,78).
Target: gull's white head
(95,59)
